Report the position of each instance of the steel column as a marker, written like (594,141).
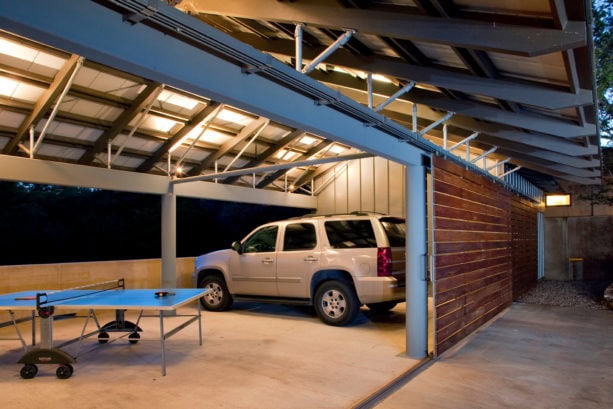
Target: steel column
(416,251)
(169,238)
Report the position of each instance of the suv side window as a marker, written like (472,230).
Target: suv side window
(395,229)
(299,236)
(262,240)
(350,234)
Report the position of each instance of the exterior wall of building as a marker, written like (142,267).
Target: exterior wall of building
(473,247)
(524,227)
(582,231)
(371,184)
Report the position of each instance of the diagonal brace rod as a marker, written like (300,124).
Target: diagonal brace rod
(342,40)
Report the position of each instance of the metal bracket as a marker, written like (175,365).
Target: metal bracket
(144,14)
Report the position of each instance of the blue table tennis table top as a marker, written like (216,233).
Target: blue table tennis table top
(119,298)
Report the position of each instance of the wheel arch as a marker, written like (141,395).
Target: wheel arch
(206,272)
(327,275)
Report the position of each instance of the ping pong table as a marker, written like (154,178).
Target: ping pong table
(110,295)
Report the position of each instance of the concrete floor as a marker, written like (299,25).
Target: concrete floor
(263,356)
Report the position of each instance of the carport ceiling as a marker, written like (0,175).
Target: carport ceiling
(517,73)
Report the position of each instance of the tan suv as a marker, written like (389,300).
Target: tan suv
(335,263)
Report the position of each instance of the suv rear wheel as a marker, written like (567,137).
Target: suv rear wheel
(217,298)
(336,303)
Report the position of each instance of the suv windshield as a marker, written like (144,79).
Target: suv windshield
(395,229)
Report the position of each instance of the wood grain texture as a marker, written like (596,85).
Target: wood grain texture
(485,250)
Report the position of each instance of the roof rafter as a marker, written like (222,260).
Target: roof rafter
(139,103)
(270,152)
(502,89)
(478,35)
(170,142)
(45,102)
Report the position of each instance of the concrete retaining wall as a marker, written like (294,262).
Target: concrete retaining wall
(589,238)
(137,273)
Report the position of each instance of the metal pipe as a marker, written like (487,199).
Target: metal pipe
(415,118)
(498,164)
(485,154)
(436,123)
(209,120)
(264,125)
(342,40)
(394,97)
(509,172)
(463,141)
(138,124)
(56,107)
(298,34)
(272,168)
(369,84)
(445,137)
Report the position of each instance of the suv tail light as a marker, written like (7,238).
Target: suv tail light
(384,262)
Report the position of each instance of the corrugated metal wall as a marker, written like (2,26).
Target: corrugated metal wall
(371,184)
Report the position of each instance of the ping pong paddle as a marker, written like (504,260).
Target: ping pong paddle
(163,293)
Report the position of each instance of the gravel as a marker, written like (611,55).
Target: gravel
(579,294)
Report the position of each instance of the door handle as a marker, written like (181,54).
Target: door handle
(309,259)
(267,260)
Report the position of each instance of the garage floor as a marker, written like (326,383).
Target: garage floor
(262,356)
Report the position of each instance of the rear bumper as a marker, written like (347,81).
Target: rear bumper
(379,289)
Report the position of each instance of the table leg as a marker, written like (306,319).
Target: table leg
(163,341)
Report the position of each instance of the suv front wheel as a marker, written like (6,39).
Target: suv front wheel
(217,298)
(336,303)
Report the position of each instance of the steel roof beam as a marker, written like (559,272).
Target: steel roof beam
(496,88)
(44,103)
(140,102)
(525,120)
(518,40)
(270,152)
(170,142)
(304,157)
(283,167)
(228,146)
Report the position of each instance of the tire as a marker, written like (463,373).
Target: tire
(28,371)
(336,303)
(64,371)
(382,307)
(218,297)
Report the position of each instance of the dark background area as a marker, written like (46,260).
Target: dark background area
(53,224)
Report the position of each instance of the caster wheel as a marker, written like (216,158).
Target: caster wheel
(28,371)
(133,338)
(103,337)
(64,371)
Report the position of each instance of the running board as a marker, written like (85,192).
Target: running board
(273,300)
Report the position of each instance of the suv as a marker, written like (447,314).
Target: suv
(335,263)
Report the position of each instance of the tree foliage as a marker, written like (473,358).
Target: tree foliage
(53,224)
(603,44)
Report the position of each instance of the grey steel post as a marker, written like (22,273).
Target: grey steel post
(169,238)
(416,251)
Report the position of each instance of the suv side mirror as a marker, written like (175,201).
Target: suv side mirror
(236,246)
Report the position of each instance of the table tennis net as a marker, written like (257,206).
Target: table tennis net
(51,297)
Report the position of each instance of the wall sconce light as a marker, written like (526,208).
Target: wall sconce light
(558,199)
